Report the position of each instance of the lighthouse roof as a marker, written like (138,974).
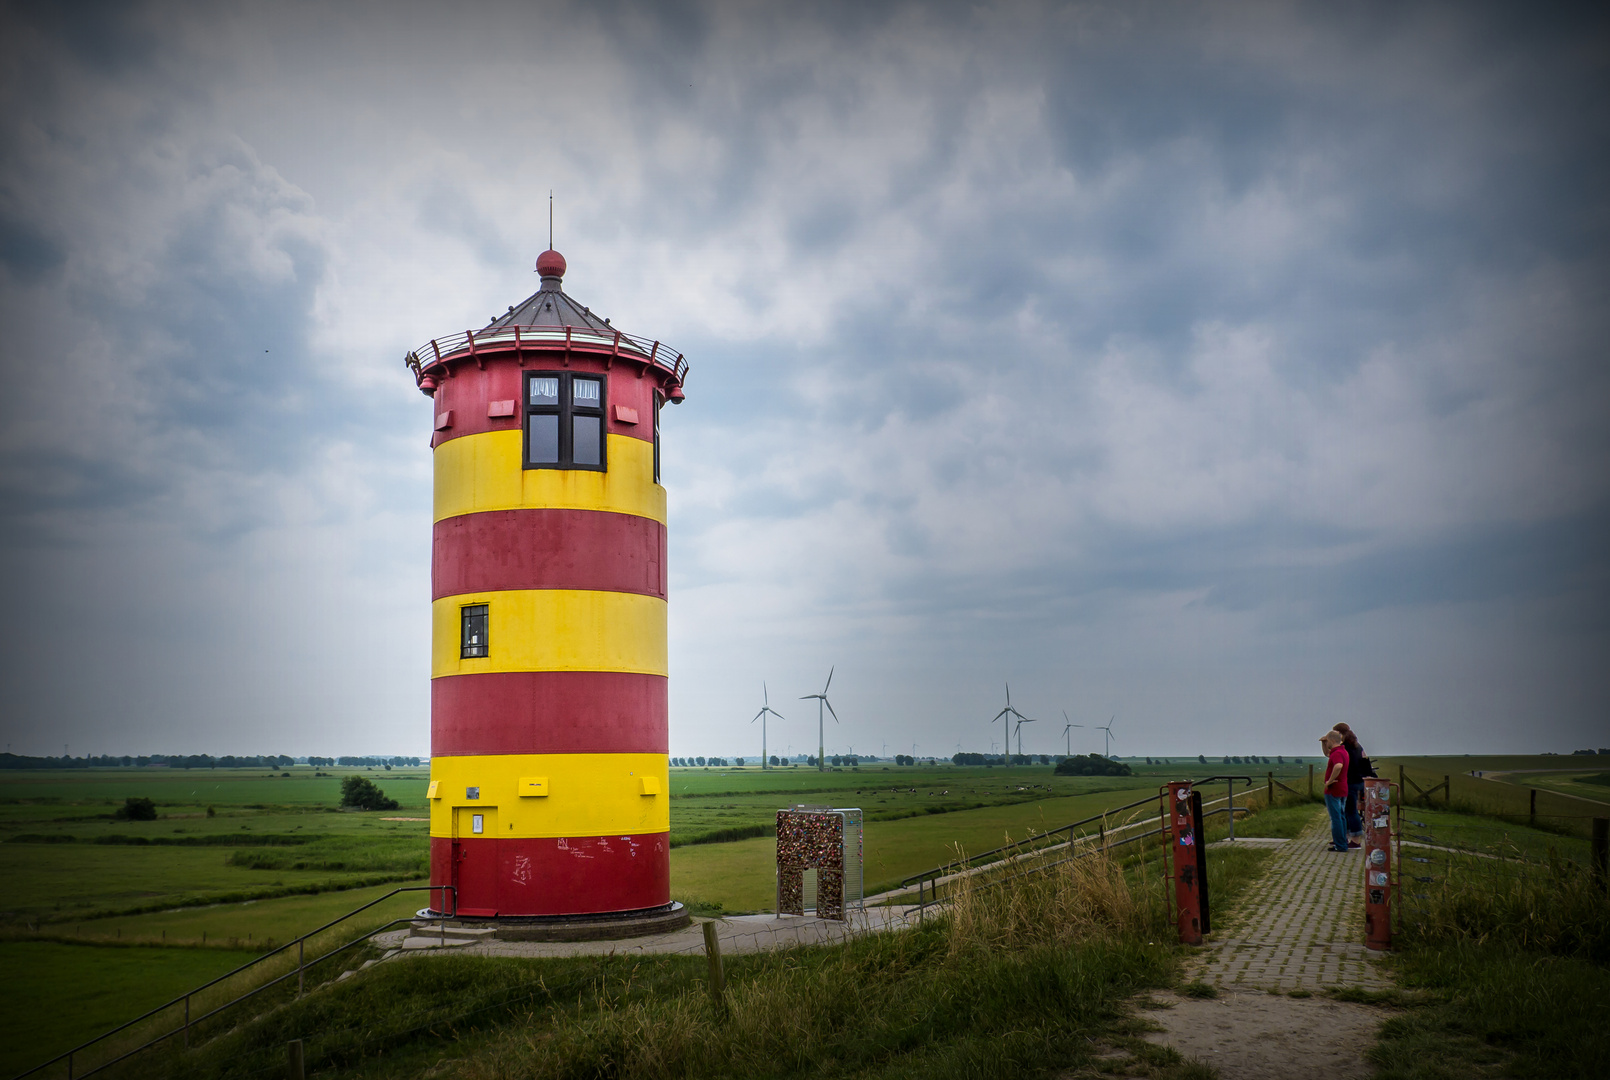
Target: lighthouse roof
(550,305)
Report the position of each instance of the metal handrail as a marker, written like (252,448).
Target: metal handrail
(616,343)
(301,968)
(1017,845)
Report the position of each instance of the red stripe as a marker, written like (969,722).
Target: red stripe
(572,876)
(549,712)
(471,390)
(548,549)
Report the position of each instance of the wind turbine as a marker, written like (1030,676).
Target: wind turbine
(1068,731)
(1005,716)
(1108,730)
(761,716)
(1021,721)
(821,699)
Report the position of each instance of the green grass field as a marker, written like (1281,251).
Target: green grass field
(1564,802)
(276,858)
(56,995)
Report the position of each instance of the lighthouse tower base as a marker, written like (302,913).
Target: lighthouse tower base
(610,926)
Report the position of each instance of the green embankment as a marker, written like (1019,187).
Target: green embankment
(54,995)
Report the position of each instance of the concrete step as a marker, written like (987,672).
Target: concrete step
(422,929)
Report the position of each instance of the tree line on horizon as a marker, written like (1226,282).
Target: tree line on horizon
(192,761)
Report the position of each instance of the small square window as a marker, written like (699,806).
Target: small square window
(473,637)
(587,394)
(545,390)
(473,793)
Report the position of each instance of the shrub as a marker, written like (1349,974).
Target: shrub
(360,793)
(136,809)
(1092,765)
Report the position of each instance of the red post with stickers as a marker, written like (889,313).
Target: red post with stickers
(1378,883)
(1183,841)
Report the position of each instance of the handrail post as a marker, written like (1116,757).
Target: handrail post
(187,1021)
(300,966)
(1230,786)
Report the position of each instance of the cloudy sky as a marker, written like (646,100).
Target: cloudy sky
(1233,369)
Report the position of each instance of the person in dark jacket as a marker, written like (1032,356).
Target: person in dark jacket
(1358,767)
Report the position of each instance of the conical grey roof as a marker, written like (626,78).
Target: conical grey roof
(550,305)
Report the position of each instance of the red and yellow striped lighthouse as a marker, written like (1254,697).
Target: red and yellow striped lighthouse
(549,789)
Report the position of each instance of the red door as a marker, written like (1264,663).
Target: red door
(475,860)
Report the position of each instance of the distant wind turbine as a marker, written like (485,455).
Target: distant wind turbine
(821,700)
(765,710)
(1068,731)
(1005,716)
(1020,723)
(1108,730)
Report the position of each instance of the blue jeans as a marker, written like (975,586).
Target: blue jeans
(1336,806)
(1355,814)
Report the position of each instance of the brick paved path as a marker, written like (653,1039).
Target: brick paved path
(1301,926)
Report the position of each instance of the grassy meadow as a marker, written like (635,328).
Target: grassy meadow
(1568,796)
(239,861)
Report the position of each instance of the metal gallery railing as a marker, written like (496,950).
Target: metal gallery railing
(299,972)
(611,343)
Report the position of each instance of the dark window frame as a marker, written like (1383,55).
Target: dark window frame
(566,411)
(466,612)
(656,438)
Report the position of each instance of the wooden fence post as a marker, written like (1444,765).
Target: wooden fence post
(1271,791)
(1447,791)
(718,978)
(294,1067)
(1531,818)
(1601,848)
(1310,780)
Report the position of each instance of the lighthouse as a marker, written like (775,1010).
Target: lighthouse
(549,784)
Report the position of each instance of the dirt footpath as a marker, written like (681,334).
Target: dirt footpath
(1253,1035)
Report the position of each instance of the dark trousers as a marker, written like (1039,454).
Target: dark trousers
(1355,805)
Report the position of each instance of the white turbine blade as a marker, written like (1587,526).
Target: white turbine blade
(829,705)
(829,679)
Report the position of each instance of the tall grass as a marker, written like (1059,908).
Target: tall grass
(1558,908)
(1017,980)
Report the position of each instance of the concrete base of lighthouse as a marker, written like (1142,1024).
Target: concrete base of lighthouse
(609,926)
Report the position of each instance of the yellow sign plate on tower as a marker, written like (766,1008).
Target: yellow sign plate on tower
(533,786)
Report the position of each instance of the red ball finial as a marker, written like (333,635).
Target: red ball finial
(551,264)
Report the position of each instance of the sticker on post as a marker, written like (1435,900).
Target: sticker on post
(1377,896)
(1377,877)
(1378,857)
(1382,822)
(1187,840)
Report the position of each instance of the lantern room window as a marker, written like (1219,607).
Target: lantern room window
(472,641)
(564,427)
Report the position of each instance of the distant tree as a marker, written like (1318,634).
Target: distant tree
(1237,760)
(698,761)
(1092,765)
(773,760)
(1227,759)
(360,793)
(1202,758)
(136,809)
(1279,760)
(1045,759)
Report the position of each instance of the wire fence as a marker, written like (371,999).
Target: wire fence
(1469,877)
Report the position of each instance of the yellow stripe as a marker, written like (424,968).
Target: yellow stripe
(590,794)
(554,630)
(476,473)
